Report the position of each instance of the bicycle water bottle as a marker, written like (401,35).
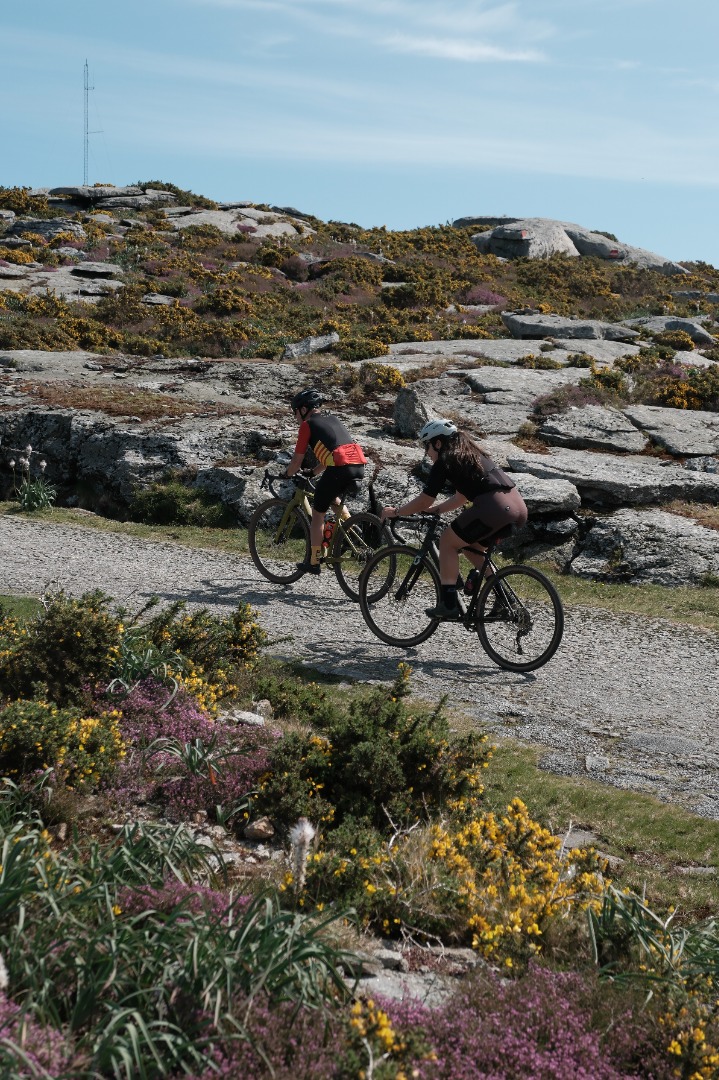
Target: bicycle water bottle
(328,530)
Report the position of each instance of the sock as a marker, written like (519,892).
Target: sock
(315,555)
(344,513)
(449,595)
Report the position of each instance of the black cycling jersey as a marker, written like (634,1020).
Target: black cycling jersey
(470,482)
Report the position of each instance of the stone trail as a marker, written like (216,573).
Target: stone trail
(627,700)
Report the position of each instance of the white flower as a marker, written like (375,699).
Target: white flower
(28,449)
(4,979)
(301,836)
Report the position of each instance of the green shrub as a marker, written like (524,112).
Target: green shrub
(22,203)
(674,339)
(37,735)
(379,762)
(70,644)
(360,349)
(380,377)
(173,503)
(36,494)
(542,363)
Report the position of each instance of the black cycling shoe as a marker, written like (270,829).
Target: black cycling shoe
(441,611)
(312,568)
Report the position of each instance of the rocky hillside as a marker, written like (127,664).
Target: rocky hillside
(147,333)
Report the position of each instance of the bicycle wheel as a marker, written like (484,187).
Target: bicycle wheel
(278,542)
(520,618)
(355,542)
(395,588)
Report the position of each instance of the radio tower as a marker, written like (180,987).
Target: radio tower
(88,88)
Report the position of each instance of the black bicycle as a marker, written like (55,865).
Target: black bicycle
(516,611)
(278,536)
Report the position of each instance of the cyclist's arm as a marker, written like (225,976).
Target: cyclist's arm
(448,505)
(295,464)
(416,506)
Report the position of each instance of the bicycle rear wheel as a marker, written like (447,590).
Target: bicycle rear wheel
(279,541)
(355,542)
(395,588)
(520,618)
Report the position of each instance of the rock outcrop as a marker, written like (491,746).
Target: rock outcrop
(538,238)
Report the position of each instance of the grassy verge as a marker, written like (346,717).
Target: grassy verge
(195,536)
(693,606)
(22,607)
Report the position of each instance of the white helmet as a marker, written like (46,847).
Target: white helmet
(435,429)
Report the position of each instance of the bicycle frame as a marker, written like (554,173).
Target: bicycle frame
(302,500)
(430,549)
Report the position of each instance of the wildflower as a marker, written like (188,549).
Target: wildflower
(301,836)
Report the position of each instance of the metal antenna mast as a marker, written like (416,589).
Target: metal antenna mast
(88,88)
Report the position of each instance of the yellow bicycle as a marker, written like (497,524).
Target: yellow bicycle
(279,537)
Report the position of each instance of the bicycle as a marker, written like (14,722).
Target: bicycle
(279,537)
(515,607)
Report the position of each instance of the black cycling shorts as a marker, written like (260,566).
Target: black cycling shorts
(336,481)
(488,514)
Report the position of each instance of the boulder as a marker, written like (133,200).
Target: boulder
(411,412)
(659,324)
(593,428)
(310,345)
(519,386)
(90,194)
(541,326)
(48,229)
(539,238)
(558,497)
(689,432)
(648,547)
(608,480)
(97,270)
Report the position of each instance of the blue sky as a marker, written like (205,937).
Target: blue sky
(383,112)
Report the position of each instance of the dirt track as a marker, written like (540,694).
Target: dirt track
(628,700)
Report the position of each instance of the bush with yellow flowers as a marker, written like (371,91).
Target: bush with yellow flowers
(70,644)
(38,735)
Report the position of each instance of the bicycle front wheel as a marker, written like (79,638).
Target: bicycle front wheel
(520,618)
(278,540)
(396,586)
(355,542)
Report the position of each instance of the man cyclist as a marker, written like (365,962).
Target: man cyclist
(493,499)
(341,461)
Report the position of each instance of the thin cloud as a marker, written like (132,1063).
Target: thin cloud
(455,49)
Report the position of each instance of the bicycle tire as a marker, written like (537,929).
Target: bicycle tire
(355,542)
(529,612)
(276,557)
(399,565)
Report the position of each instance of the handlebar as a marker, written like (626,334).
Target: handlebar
(300,480)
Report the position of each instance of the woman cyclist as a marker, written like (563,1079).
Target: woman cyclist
(341,461)
(493,499)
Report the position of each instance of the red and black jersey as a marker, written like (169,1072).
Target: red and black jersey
(329,440)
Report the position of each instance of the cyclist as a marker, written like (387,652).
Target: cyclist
(493,499)
(341,461)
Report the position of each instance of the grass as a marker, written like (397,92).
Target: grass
(653,838)
(692,606)
(22,607)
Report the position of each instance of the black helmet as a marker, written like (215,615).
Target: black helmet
(307,399)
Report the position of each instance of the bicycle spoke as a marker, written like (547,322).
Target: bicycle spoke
(356,541)
(278,541)
(520,618)
(395,589)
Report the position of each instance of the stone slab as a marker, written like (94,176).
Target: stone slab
(680,431)
(609,480)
